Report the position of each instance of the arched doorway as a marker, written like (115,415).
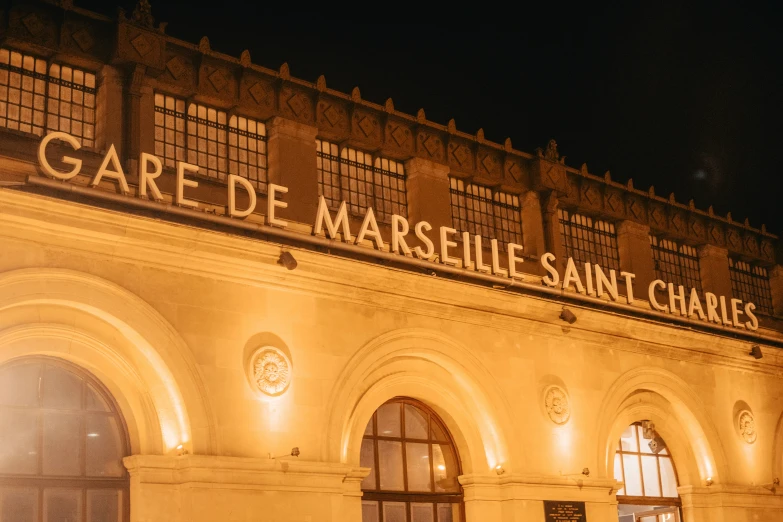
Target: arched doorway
(646,467)
(62,440)
(414,466)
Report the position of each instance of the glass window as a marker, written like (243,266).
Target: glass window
(361,180)
(413,466)
(63,444)
(218,143)
(751,284)
(676,263)
(646,470)
(481,211)
(36,100)
(589,240)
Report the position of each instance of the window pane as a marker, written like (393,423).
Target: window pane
(437,433)
(652,487)
(19,385)
(104,505)
(394,512)
(417,455)
(367,460)
(445,470)
(104,447)
(628,439)
(644,444)
(618,472)
(390,462)
(415,423)
(19,446)
(369,428)
(369,511)
(19,505)
(94,401)
(422,512)
(633,476)
(389,420)
(62,505)
(668,478)
(62,448)
(448,512)
(62,389)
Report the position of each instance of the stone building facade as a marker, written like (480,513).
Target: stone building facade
(230,294)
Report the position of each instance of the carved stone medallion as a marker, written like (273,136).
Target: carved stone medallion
(556,404)
(270,370)
(746,424)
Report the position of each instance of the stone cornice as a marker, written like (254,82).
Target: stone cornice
(235,83)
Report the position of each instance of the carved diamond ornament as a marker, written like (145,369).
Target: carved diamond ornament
(556,404)
(746,425)
(431,144)
(142,45)
(83,39)
(399,135)
(270,371)
(258,92)
(33,24)
(297,104)
(217,80)
(176,67)
(366,125)
(331,115)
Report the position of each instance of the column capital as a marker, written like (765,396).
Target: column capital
(415,167)
(283,127)
(712,251)
(633,228)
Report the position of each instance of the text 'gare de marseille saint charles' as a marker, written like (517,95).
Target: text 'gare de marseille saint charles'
(715,309)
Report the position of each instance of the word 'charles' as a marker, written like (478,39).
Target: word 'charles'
(470,254)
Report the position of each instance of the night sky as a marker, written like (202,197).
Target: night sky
(685,99)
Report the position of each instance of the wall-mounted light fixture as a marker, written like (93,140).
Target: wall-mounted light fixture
(181,450)
(755,351)
(567,316)
(586,472)
(708,481)
(499,469)
(772,486)
(287,260)
(294,453)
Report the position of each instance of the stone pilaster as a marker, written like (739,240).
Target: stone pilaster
(533,237)
(292,163)
(633,244)
(776,286)
(109,117)
(714,266)
(551,227)
(428,192)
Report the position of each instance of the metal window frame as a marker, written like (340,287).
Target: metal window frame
(218,173)
(591,242)
(48,97)
(504,219)
(383,196)
(675,265)
(646,499)
(413,497)
(750,282)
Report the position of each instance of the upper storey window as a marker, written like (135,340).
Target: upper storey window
(751,283)
(361,180)
(675,263)
(589,240)
(481,211)
(218,143)
(37,98)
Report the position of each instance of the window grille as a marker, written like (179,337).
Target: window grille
(588,240)
(675,263)
(478,210)
(36,98)
(219,144)
(361,180)
(751,284)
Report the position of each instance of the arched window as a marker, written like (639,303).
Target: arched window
(645,466)
(62,440)
(414,466)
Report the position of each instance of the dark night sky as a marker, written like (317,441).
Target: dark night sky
(685,99)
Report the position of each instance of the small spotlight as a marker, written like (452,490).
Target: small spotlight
(657,444)
(295,452)
(708,481)
(755,351)
(586,472)
(287,260)
(568,316)
(499,469)
(181,450)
